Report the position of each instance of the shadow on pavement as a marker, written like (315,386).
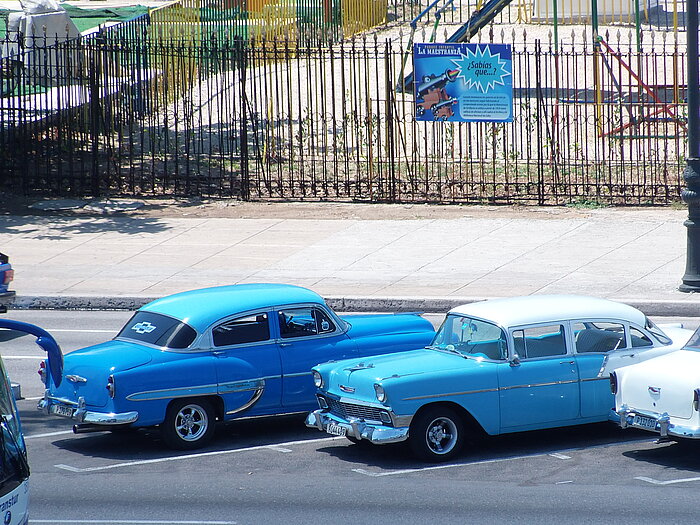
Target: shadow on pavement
(682,455)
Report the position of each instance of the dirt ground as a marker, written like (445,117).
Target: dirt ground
(231,208)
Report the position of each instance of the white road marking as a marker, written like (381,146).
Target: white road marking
(49,434)
(560,456)
(442,467)
(669,482)
(192,456)
(564,482)
(139,522)
(277,448)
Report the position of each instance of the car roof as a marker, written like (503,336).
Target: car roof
(200,308)
(531,309)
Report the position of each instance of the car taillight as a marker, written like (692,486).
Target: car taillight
(696,399)
(110,386)
(42,371)
(613,382)
(9,276)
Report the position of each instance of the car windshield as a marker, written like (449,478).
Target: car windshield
(470,337)
(658,333)
(159,330)
(694,341)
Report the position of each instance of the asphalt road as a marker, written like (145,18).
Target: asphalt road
(275,470)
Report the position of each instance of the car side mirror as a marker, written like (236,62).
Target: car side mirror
(515,360)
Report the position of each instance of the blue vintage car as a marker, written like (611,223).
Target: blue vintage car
(185,361)
(498,366)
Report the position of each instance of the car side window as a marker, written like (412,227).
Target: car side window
(248,329)
(639,338)
(304,322)
(540,341)
(597,336)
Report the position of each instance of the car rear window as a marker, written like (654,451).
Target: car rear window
(159,330)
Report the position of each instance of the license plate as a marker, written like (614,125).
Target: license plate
(336,430)
(60,410)
(644,422)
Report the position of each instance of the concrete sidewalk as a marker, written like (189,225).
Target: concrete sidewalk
(117,261)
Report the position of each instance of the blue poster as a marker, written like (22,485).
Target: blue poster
(463,82)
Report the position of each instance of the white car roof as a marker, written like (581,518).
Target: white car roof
(531,309)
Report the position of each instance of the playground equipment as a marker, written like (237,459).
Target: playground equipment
(478,20)
(663,110)
(650,107)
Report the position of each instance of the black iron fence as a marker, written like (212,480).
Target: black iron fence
(126,113)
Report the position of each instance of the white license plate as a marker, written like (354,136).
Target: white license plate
(644,422)
(336,430)
(60,410)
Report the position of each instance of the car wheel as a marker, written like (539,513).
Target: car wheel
(188,424)
(436,434)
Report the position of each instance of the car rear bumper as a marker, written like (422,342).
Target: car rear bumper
(655,422)
(77,412)
(356,428)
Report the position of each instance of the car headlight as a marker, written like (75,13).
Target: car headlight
(318,380)
(379,391)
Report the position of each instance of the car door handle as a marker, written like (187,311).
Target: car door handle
(285,344)
(566,362)
(219,353)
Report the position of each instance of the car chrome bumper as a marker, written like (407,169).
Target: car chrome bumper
(80,414)
(662,424)
(357,428)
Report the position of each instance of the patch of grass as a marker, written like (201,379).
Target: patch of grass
(586,203)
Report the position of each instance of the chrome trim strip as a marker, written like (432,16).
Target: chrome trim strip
(452,394)
(485,390)
(241,386)
(595,379)
(170,393)
(552,383)
(298,374)
(254,399)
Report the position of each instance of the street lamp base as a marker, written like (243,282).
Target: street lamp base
(691,196)
(689,288)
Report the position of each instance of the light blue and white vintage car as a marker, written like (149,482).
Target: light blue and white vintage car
(498,366)
(185,361)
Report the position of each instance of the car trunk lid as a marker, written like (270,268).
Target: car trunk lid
(85,371)
(656,386)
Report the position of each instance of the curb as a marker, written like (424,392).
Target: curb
(661,308)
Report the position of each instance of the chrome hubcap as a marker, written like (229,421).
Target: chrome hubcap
(191,422)
(441,435)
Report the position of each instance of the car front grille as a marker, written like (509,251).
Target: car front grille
(346,410)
